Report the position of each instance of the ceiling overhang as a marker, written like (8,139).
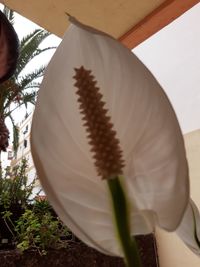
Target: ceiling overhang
(156,20)
(131,21)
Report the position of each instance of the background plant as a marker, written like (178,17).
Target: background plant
(39,229)
(27,220)
(15,189)
(16,194)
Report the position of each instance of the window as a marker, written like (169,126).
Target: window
(10,156)
(25,143)
(25,130)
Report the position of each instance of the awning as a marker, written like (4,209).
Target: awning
(132,21)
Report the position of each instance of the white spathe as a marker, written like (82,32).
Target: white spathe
(156,172)
(189,229)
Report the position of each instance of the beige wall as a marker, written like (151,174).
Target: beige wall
(171,250)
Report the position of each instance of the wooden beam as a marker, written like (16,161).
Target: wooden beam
(159,18)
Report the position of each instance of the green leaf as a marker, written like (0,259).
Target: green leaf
(9,14)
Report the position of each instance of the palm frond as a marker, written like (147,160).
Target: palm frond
(39,51)
(21,89)
(25,99)
(9,14)
(29,98)
(8,91)
(27,80)
(15,135)
(28,47)
(34,85)
(26,39)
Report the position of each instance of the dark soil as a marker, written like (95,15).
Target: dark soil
(76,255)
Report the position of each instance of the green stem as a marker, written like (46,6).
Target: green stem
(128,243)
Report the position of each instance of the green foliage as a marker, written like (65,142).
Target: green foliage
(30,223)
(14,187)
(42,206)
(38,229)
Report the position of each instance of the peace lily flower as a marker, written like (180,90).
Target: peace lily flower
(151,149)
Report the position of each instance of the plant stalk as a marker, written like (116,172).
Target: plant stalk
(128,243)
(8,227)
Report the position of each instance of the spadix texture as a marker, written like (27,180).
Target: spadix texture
(102,138)
(155,172)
